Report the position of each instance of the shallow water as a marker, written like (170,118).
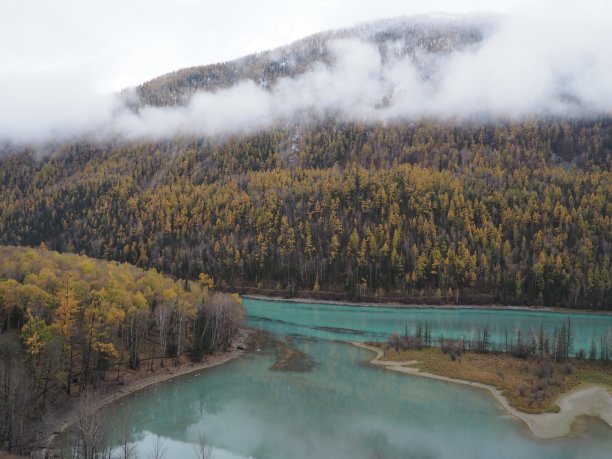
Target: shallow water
(339,406)
(363,323)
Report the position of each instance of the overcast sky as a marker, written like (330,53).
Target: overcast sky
(111,44)
(60,61)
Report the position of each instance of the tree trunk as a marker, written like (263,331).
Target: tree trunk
(70,370)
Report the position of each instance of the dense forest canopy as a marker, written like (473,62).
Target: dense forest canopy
(517,213)
(68,321)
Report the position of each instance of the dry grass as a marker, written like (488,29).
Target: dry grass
(291,359)
(515,378)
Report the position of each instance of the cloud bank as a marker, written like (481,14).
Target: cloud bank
(545,62)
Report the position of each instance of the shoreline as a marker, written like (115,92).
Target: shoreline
(594,401)
(447,306)
(57,420)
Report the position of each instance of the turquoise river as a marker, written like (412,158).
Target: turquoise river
(331,403)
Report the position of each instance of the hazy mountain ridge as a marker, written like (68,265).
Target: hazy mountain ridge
(417,37)
(487,69)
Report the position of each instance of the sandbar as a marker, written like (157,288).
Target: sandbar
(594,401)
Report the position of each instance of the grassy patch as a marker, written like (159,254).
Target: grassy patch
(529,385)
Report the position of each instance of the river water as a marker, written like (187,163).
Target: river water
(304,392)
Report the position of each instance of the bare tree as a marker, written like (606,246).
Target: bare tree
(158,451)
(90,428)
(180,318)
(17,395)
(162,316)
(127,448)
(201,448)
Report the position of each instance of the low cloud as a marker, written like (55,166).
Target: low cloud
(541,63)
(56,108)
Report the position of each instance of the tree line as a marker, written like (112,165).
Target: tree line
(68,322)
(557,346)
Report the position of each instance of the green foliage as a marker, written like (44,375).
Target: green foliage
(35,334)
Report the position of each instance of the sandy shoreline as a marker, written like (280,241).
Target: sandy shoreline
(593,401)
(60,419)
(491,307)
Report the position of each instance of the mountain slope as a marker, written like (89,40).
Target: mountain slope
(516,213)
(416,37)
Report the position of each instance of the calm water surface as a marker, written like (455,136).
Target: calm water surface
(339,406)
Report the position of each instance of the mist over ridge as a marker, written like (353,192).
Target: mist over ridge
(483,67)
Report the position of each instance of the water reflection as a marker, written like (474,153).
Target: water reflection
(362,323)
(340,406)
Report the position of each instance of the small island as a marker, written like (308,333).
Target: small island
(542,384)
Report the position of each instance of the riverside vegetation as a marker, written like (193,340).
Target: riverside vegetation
(531,371)
(68,322)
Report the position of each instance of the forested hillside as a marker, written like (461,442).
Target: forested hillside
(68,321)
(517,213)
(420,38)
